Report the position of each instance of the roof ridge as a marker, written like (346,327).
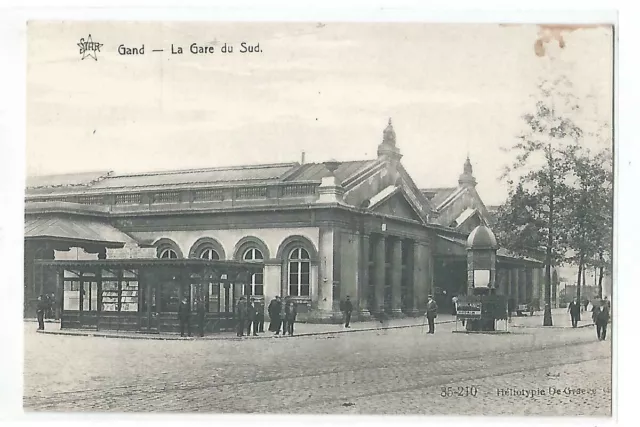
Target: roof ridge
(209,169)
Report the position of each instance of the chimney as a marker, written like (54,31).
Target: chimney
(302,159)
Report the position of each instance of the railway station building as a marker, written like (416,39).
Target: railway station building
(318,231)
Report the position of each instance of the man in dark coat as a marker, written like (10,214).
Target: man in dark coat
(184,313)
(601,319)
(274,314)
(347,308)
(251,317)
(290,315)
(432,313)
(242,316)
(574,309)
(40,310)
(283,316)
(201,317)
(258,325)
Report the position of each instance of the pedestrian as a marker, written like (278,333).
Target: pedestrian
(251,317)
(201,317)
(347,309)
(454,305)
(601,320)
(184,314)
(259,305)
(40,310)
(574,310)
(432,313)
(274,314)
(283,317)
(586,304)
(290,315)
(49,311)
(241,310)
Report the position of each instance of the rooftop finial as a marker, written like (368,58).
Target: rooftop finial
(389,135)
(467,174)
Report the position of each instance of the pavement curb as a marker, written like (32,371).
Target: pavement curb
(79,333)
(552,327)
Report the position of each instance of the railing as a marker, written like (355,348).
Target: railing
(270,193)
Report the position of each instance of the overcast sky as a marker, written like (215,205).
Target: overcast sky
(328,89)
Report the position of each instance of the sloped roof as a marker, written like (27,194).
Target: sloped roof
(75,229)
(465,215)
(273,172)
(438,195)
(382,195)
(317,171)
(66,180)
(250,174)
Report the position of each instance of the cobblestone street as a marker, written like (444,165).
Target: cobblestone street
(398,371)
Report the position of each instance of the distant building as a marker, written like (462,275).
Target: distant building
(321,231)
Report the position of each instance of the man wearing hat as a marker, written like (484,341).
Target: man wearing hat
(184,312)
(347,308)
(241,312)
(432,313)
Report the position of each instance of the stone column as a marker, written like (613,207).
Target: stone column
(326,276)
(412,306)
(396,278)
(363,278)
(516,284)
(421,277)
(379,279)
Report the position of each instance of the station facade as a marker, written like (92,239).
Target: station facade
(320,231)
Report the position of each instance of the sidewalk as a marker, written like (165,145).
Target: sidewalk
(301,330)
(560,317)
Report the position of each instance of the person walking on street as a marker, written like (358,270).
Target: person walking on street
(432,313)
(184,313)
(251,317)
(347,309)
(454,305)
(290,315)
(574,309)
(274,314)
(40,310)
(601,320)
(200,312)
(242,316)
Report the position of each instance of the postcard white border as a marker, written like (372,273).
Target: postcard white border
(12,137)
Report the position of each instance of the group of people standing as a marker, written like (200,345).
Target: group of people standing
(283,315)
(250,315)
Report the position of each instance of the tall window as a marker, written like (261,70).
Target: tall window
(256,284)
(168,253)
(210,254)
(299,272)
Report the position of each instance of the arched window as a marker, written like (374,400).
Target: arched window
(209,253)
(256,283)
(299,267)
(167,253)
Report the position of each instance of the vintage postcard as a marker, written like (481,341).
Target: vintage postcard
(319,218)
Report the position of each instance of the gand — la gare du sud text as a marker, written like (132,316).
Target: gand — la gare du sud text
(194,48)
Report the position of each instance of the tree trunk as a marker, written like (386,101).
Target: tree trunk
(601,275)
(580,276)
(547,319)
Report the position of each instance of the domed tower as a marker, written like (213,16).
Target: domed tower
(466,178)
(387,147)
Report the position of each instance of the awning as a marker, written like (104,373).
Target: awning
(75,229)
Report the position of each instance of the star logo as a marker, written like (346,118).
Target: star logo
(89,48)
